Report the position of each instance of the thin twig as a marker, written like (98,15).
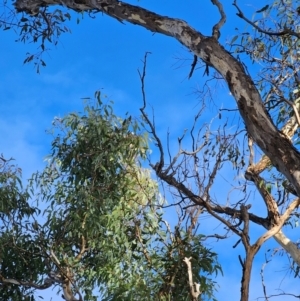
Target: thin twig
(270,33)
(158,166)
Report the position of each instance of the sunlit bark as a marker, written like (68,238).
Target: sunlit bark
(257,120)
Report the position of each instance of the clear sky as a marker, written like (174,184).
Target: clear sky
(102,53)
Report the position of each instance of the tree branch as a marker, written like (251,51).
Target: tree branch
(257,120)
(270,33)
(194,287)
(216,29)
(47,283)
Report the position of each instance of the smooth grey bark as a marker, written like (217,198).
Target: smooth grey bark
(288,245)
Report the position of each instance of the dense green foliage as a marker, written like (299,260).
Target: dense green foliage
(100,221)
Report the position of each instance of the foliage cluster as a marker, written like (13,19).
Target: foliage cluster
(102,227)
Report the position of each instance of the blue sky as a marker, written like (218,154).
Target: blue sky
(103,54)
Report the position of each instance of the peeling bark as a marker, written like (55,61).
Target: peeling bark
(257,120)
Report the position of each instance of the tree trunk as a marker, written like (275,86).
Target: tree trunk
(247,268)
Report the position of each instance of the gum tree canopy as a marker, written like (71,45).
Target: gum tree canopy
(96,227)
(268,103)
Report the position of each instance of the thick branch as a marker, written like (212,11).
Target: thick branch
(252,250)
(247,268)
(284,241)
(271,205)
(290,247)
(276,219)
(257,120)
(215,208)
(289,130)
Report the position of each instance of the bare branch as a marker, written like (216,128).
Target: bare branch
(142,75)
(280,222)
(270,33)
(245,218)
(216,29)
(47,283)
(194,287)
(262,279)
(56,261)
(83,249)
(271,204)
(257,120)
(194,63)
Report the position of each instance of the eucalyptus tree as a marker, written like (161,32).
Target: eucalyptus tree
(267,101)
(95,227)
